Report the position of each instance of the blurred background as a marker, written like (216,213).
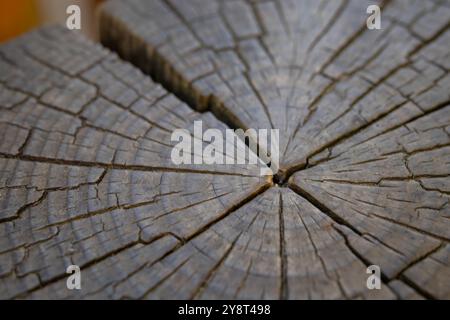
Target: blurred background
(19,16)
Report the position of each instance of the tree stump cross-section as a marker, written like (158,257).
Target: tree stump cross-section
(86,176)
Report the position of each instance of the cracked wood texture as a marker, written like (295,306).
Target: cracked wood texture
(364,119)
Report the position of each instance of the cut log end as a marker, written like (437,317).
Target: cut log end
(86,176)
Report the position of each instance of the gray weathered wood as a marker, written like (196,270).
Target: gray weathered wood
(364,120)
(365,112)
(86,174)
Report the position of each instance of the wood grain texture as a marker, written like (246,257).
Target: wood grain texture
(86,175)
(309,68)
(364,119)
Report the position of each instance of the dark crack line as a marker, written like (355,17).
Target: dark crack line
(316,203)
(116,166)
(284,288)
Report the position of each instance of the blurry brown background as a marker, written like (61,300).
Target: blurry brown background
(19,16)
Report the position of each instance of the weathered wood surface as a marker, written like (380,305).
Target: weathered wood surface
(364,119)
(86,175)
